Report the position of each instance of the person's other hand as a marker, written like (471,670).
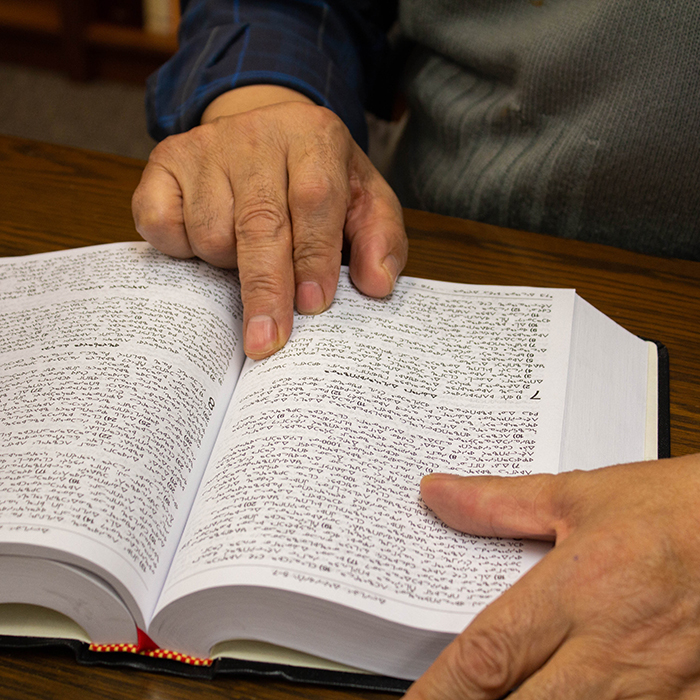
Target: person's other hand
(271,183)
(612,612)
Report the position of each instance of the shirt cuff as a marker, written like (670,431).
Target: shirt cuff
(313,60)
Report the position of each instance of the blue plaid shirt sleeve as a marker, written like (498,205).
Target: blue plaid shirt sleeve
(329,51)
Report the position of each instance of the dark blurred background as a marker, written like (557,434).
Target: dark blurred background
(73,71)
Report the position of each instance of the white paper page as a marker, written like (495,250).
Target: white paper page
(651,443)
(82,596)
(606,402)
(116,363)
(19,620)
(314,483)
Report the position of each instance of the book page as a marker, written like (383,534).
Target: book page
(69,590)
(607,391)
(20,620)
(116,364)
(314,483)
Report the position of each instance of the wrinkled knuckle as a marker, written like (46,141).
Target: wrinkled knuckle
(193,147)
(325,135)
(261,287)
(314,195)
(155,222)
(213,247)
(146,220)
(257,220)
(314,253)
(484,660)
(327,120)
(200,138)
(142,213)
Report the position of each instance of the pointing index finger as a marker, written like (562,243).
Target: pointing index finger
(318,201)
(263,235)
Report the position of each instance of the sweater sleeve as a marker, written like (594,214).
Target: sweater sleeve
(330,51)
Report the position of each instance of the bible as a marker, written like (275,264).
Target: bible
(159,491)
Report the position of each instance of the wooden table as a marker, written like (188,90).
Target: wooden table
(53,197)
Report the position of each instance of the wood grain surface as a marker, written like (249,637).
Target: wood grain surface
(53,197)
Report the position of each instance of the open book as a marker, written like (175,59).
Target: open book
(152,477)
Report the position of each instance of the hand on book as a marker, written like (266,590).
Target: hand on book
(612,611)
(270,183)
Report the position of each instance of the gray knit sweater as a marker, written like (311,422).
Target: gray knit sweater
(577,118)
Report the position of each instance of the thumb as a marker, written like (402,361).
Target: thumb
(496,506)
(375,230)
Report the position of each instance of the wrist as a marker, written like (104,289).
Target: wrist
(248,97)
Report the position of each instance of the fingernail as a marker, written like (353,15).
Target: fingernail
(391,265)
(310,298)
(261,335)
